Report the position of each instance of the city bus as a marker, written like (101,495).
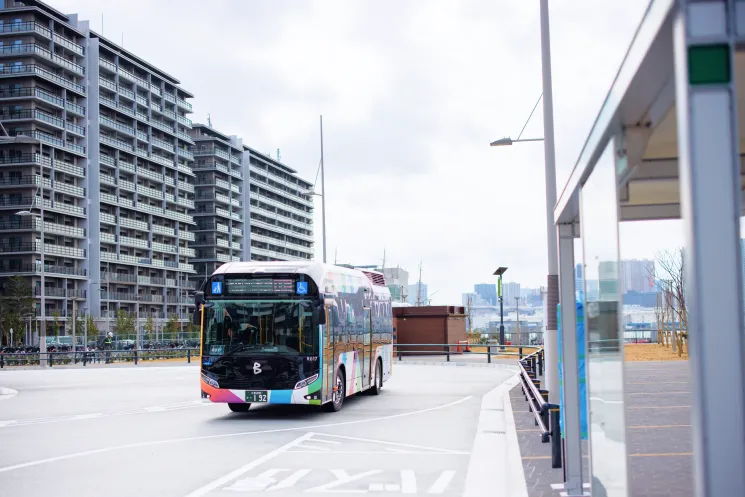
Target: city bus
(293,333)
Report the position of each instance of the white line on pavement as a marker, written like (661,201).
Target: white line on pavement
(223,435)
(7,393)
(245,468)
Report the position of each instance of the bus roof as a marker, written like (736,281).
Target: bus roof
(318,271)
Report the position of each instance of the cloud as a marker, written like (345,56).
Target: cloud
(411,93)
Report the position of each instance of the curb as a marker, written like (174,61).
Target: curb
(7,393)
(496,446)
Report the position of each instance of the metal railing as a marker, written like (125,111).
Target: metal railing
(546,415)
(449,349)
(97,356)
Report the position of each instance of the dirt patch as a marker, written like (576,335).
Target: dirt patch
(651,352)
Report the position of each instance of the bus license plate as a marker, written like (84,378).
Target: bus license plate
(256,396)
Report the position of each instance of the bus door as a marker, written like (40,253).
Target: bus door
(365,348)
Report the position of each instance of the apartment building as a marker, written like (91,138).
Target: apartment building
(280,210)
(219,213)
(141,186)
(44,153)
(96,175)
(235,186)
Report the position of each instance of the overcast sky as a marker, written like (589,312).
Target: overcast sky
(411,93)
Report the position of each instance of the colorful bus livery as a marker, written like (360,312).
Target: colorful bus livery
(293,333)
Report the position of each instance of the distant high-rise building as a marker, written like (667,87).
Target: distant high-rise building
(476,300)
(487,291)
(509,292)
(414,290)
(397,281)
(636,276)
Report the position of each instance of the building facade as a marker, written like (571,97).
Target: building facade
(219,206)
(279,205)
(96,175)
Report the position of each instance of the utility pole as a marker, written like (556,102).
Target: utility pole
(517,314)
(323,198)
(470,318)
(419,287)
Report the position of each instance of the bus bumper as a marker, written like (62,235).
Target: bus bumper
(309,395)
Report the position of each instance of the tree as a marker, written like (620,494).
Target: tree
(172,327)
(17,303)
(672,265)
(53,330)
(149,328)
(92,329)
(125,323)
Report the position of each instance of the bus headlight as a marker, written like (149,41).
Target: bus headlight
(304,383)
(210,381)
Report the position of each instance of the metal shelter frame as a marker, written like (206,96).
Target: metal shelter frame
(665,145)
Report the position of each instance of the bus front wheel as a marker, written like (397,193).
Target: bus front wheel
(339,392)
(239,407)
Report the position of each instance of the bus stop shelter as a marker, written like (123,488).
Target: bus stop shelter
(665,145)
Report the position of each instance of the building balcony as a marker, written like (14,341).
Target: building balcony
(119,107)
(26,27)
(186,235)
(36,49)
(32,92)
(183,104)
(185,153)
(134,224)
(163,144)
(184,120)
(43,72)
(36,247)
(163,230)
(50,140)
(67,43)
(185,169)
(187,187)
(52,270)
(75,108)
(110,123)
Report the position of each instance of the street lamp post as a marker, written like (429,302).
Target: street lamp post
(499,272)
(552,300)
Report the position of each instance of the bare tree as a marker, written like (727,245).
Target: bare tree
(672,265)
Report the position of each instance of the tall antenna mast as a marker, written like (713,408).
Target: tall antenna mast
(209,120)
(383,259)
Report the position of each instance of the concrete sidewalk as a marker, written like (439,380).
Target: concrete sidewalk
(658,434)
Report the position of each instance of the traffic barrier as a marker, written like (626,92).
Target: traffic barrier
(546,415)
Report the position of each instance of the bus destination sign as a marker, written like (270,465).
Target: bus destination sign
(259,286)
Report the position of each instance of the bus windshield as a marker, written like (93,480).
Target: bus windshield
(245,327)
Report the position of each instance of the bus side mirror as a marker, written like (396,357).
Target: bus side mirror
(198,301)
(319,315)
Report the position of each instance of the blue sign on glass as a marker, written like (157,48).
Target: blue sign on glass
(217,288)
(302,287)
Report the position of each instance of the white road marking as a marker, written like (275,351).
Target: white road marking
(77,417)
(342,478)
(391,446)
(248,467)
(138,445)
(7,393)
(310,448)
(442,482)
(291,480)
(408,481)
(255,483)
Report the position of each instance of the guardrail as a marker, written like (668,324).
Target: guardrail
(96,357)
(546,415)
(448,349)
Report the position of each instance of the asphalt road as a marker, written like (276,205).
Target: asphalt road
(144,432)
